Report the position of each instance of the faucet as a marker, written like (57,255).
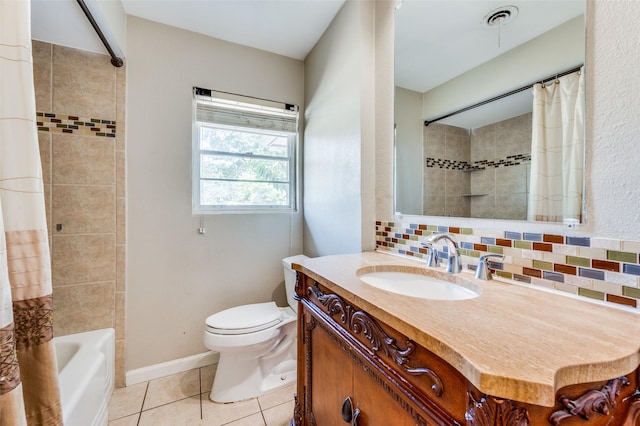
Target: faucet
(482,271)
(453,264)
(432,254)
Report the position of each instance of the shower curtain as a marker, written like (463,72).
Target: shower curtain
(557,150)
(29,393)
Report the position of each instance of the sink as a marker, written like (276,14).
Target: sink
(425,284)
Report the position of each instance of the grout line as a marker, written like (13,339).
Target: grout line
(170,402)
(146,390)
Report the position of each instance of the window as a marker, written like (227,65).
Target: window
(244,152)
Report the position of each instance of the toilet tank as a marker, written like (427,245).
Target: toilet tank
(290,279)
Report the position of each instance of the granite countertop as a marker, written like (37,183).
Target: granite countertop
(513,341)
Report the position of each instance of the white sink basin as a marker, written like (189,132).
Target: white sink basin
(419,285)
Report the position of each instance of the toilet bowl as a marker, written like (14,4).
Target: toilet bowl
(257,345)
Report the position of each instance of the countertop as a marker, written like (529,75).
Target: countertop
(513,341)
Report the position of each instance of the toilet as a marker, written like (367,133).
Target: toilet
(257,345)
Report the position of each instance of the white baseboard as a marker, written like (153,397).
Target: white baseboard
(163,369)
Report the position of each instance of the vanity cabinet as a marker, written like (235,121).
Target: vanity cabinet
(354,369)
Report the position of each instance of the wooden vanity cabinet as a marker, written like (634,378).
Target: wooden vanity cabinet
(355,370)
(352,369)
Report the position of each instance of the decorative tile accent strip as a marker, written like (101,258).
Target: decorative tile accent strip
(511,160)
(60,123)
(566,263)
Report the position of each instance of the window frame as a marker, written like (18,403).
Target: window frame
(197,152)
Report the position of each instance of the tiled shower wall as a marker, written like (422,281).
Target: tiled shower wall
(501,153)
(481,173)
(446,179)
(80,101)
(598,268)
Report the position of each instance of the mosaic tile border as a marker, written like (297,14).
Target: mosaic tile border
(510,160)
(73,124)
(597,268)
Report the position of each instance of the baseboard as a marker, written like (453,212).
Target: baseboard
(168,368)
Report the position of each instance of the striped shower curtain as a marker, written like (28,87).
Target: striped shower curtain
(29,393)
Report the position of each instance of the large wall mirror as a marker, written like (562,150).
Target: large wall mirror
(454,55)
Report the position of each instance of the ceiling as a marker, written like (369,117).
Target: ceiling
(437,40)
(286,27)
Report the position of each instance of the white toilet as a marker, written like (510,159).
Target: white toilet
(257,345)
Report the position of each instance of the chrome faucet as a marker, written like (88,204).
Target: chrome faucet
(482,271)
(453,264)
(432,254)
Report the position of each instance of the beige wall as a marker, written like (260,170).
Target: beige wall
(349,130)
(84,177)
(176,276)
(408,151)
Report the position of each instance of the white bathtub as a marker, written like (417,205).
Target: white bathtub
(86,370)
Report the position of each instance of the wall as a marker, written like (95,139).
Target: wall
(81,116)
(348,91)
(176,276)
(408,151)
(447,154)
(502,152)
(554,51)
(481,173)
(612,121)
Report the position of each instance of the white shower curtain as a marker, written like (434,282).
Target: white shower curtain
(557,150)
(29,393)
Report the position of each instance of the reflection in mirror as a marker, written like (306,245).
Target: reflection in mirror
(448,57)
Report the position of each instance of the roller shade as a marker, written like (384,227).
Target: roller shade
(234,110)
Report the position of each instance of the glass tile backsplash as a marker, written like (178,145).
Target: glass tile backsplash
(597,268)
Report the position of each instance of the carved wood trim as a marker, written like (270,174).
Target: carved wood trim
(309,325)
(359,322)
(297,412)
(298,288)
(490,411)
(633,414)
(594,401)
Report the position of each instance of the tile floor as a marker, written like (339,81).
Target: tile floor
(183,399)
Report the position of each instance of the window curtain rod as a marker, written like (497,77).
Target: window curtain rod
(116,60)
(504,95)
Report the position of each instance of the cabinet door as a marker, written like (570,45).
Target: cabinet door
(331,370)
(377,406)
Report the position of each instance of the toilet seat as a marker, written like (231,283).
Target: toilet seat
(245,319)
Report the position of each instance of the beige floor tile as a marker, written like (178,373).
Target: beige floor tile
(277,397)
(280,415)
(185,412)
(253,420)
(172,388)
(126,421)
(127,401)
(214,414)
(206,377)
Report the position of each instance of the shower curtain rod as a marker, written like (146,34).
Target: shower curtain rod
(504,95)
(116,61)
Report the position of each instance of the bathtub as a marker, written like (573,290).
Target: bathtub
(86,370)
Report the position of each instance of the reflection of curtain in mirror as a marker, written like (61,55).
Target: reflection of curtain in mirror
(557,150)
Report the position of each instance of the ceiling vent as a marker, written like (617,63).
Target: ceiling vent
(500,17)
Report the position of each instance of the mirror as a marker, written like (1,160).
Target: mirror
(450,55)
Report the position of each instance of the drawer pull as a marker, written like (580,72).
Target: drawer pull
(348,415)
